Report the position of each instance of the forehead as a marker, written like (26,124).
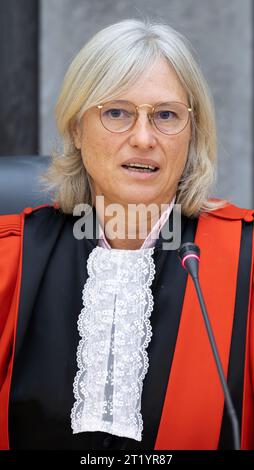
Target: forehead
(158,83)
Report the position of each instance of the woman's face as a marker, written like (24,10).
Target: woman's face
(104,152)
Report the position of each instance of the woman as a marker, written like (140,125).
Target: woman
(106,327)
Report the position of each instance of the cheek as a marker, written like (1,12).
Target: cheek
(176,159)
(178,151)
(96,156)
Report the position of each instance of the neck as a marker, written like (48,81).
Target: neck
(127,227)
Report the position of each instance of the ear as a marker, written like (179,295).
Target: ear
(77,136)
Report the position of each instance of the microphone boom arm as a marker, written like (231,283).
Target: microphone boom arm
(229,403)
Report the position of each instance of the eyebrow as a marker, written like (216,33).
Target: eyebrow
(171,100)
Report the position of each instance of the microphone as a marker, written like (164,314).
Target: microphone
(189,255)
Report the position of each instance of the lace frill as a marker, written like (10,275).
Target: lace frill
(115,331)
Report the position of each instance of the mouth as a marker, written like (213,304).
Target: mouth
(140,171)
(140,168)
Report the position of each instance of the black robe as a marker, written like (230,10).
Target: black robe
(53,275)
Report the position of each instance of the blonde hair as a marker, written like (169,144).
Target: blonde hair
(104,68)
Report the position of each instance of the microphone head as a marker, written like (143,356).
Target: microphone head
(189,255)
(188,249)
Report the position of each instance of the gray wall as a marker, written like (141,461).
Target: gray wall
(221,33)
(18,77)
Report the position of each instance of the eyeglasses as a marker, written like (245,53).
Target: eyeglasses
(120,116)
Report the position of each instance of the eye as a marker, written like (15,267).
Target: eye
(116,113)
(165,115)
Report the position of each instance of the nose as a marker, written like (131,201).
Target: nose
(142,134)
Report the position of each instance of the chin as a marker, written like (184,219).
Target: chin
(140,198)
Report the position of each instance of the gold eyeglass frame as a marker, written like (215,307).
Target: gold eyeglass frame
(149,115)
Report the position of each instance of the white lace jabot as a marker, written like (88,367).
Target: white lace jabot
(115,331)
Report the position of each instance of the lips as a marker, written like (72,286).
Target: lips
(141,169)
(142,164)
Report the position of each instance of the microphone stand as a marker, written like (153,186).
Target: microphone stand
(189,255)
